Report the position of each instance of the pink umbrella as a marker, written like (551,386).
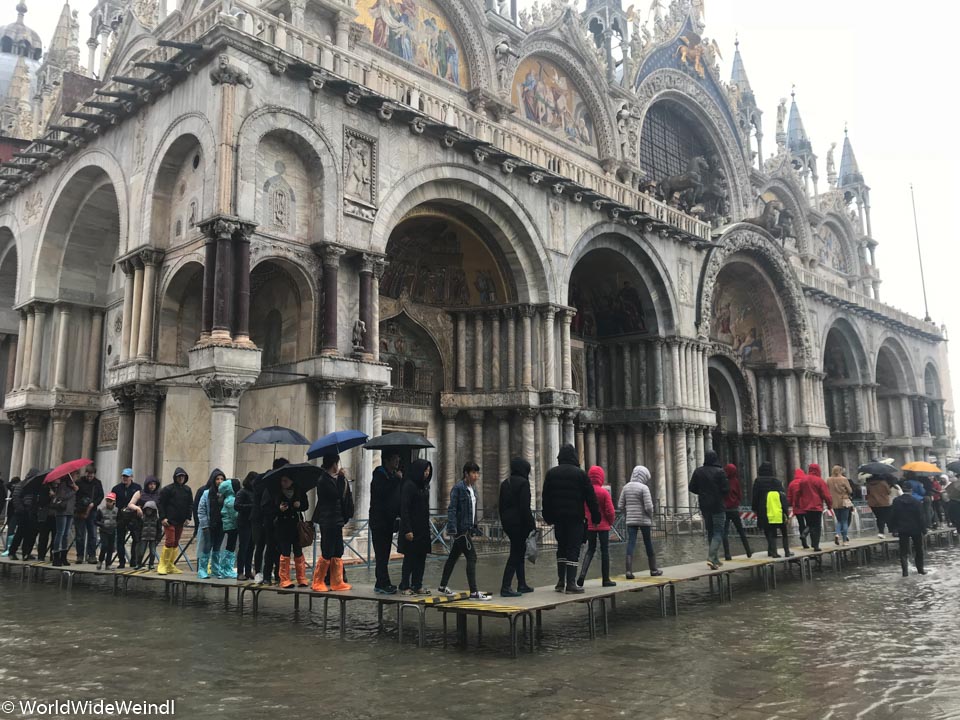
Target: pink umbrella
(65,469)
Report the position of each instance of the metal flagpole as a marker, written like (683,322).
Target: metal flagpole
(923,283)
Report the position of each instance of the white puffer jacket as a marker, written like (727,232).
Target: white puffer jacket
(636,500)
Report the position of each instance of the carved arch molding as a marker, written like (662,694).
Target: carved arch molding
(741,240)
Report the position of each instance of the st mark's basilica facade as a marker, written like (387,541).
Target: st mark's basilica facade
(502,230)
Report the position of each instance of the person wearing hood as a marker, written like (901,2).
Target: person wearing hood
(244,508)
(384,512)
(266,559)
(772,509)
(951,493)
(11,515)
(25,508)
(879,499)
(89,497)
(210,526)
(908,521)
(811,497)
(709,484)
(731,505)
(334,510)
(936,498)
(517,521)
(636,504)
(228,520)
(150,532)
(107,523)
(174,506)
(125,490)
(793,495)
(285,503)
(842,505)
(598,532)
(415,539)
(462,527)
(566,489)
(64,505)
(149,493)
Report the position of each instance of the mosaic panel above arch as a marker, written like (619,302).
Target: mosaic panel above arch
(419,32)
(547,96)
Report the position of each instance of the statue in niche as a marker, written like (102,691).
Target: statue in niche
(359,333)
(280,200)
(358,169)
(193,213)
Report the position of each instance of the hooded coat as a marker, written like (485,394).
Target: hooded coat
(607,514)
(811,493)
(24,503)
(878,493)
(384,500)
(207,507)
(148,494)
(228,513)
(174,503)
(151,530)
(566,489)
(766,483)
(709,484)
(907,517)
(415,510)
(516,517)
(636,500)
(88,492)
(734,496)
(244,501)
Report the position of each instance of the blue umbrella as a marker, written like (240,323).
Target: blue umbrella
(336,443)
(275,435)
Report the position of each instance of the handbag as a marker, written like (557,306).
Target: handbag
(306,533)
(847,502)
(532,550)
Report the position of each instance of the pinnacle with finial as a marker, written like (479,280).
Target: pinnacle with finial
(21,10)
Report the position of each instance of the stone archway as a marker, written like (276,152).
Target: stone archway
(733,401)
(896,393)
(180,194)
(281,313)
(180,315)
(9,335)
(847,394)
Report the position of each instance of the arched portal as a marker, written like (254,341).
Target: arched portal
(281,313)
(933,402)
(899,422)
(178,196)
(180,315)
(845,395)
(9,327)
(732,402)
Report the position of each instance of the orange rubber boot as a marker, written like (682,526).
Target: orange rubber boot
(319,573)
(284,570)
(336,575)
(301,565)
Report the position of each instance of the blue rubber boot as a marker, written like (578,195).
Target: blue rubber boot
(228,564)
(203,559)
(216,568)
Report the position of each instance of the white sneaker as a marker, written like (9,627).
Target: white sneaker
(258,578)
(445,591)
(881,536)
(481,596)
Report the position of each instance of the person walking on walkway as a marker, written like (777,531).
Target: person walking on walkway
(842,505)
(46,519)
(174,508)
(89,497)
(210,527)
(908,521)
(124,490)
(879,499)
(518,523)
(462,527)
(64,506)
(289,503)
(636,503)
(244,507)
(334,510)
(709,484)
(415,539)
(11,515)
(731,505)
(228,519)
(599,532)
(25,506)
(793,495)
(951,493)
(813,495)
(566,488)
(772,509)
(383,516)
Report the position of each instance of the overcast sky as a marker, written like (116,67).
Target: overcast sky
(884,71)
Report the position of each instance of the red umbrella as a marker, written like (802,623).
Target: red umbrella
(65,469)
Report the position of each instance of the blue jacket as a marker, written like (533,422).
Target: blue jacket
(459,519)
(916,489)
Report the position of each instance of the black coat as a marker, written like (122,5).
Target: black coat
(415,511)
(175,502)
(710,484)
(516,517)
(907,517)
(565,490)
(88,491)
(330,492)
(243,504)
(384,500)
(271,506)
(762,486)
(124,493)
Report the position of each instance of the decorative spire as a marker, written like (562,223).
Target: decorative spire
(738,76)
(849,169)
(60,48)
(797,140)
(21,11)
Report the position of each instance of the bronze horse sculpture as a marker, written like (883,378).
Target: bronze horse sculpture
(768,219)
(691,180)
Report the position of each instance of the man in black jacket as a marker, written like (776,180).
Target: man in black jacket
(709,483)
(89,497)
(565,490)
(383,516)
(908,520)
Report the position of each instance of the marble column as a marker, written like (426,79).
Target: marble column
(127,321)
(449,453)
(528,439)
(223,288)
(659,466)
(704,373)
(33,422)
(478,348)
(693,460)
(569,434)
(603,456)
(135,308)
(495,383)
(752,459)
(658,350)
(675,394)
(224,391)
(63,330)
(566,317)
(504,454)
(58,430)
(510,316)
(526,372)
(326,407)
(16,452)
(8,386)
(476,448)
(36,345)
(124,430)
(367,266)
(330,257)
(699,445)
(763,403)
(369,398)
(790,396)
(793,457)
(551,418)
(685,382)
(580,442)
(88,446)
(590,445)
(680,478)
(461,359)
(21,342)
(147,303)
(907,416)
(615,473)
(549,348)
(94,351)
(145,432)
(802,403)
(628,401)
(774,381)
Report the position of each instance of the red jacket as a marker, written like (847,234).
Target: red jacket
(607,513)
(735,493)
(808,493)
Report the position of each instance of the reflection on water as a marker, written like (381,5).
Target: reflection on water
(866,645)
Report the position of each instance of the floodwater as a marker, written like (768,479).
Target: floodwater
(868,644)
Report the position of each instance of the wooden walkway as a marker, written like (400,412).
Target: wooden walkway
(523,614)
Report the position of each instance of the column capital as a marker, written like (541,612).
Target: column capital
(476,415)
(329,253)
(89,418)
(33,419)
(40,308)
(567,314)
(59,415)
(494,314)
(528,413)
(449,413)
(501,415)
(220,227)
(64,308)
(509,313)
(224,390)
(549,311)
(370,394)
(571,415)
(150,256)
(371,263)
(659,427)
(552,413)
(327,389)
(526,311)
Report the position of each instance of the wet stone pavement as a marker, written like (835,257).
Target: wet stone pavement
(868,644)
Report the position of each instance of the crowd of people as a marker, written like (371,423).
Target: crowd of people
(257,529)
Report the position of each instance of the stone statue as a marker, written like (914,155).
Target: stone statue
(781,116)
(831,165)
(503,7)
(359,333)
(785,223)
(504,55)
(358,169)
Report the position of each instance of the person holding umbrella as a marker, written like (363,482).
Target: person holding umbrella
(64,506)
(286,505)
(265,555)
(383,516)
(334,510)
(46,519)
(415,540)
(174,506)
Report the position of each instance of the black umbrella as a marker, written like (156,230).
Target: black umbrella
(33,484)
(954,467)
(304,476)
(398,441)
(275,435)
(877,469)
